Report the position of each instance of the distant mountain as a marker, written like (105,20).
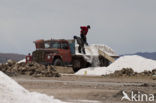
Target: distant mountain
(148,55)
(5,56)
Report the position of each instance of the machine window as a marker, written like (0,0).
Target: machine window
(47,45)
(64,46)
(55,45)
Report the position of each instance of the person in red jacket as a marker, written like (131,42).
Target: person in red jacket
(83,33)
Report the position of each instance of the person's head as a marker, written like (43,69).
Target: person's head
(75,37)
(88,26)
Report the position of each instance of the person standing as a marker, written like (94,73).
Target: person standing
(81,44)
(83,33)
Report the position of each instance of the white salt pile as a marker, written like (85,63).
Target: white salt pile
(12,92)
(137,63)
(92,54)
(22,61)
(93,50)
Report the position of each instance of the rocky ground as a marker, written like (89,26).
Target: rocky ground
(34,69)
(87,89)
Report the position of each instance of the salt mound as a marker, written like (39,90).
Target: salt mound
(137,63)
(22,61)
(93,50)
(12,92)
(92,54)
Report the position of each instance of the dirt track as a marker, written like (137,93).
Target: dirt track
(83,89)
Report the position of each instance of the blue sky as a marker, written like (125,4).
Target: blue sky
(127,26)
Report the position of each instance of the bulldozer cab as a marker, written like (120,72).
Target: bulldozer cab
(56,44)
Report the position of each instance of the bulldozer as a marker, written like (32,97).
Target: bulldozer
(61,52)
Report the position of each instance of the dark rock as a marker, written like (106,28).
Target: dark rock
(32,68)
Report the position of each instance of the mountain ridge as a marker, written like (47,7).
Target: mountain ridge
(149,55)
(13,56)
